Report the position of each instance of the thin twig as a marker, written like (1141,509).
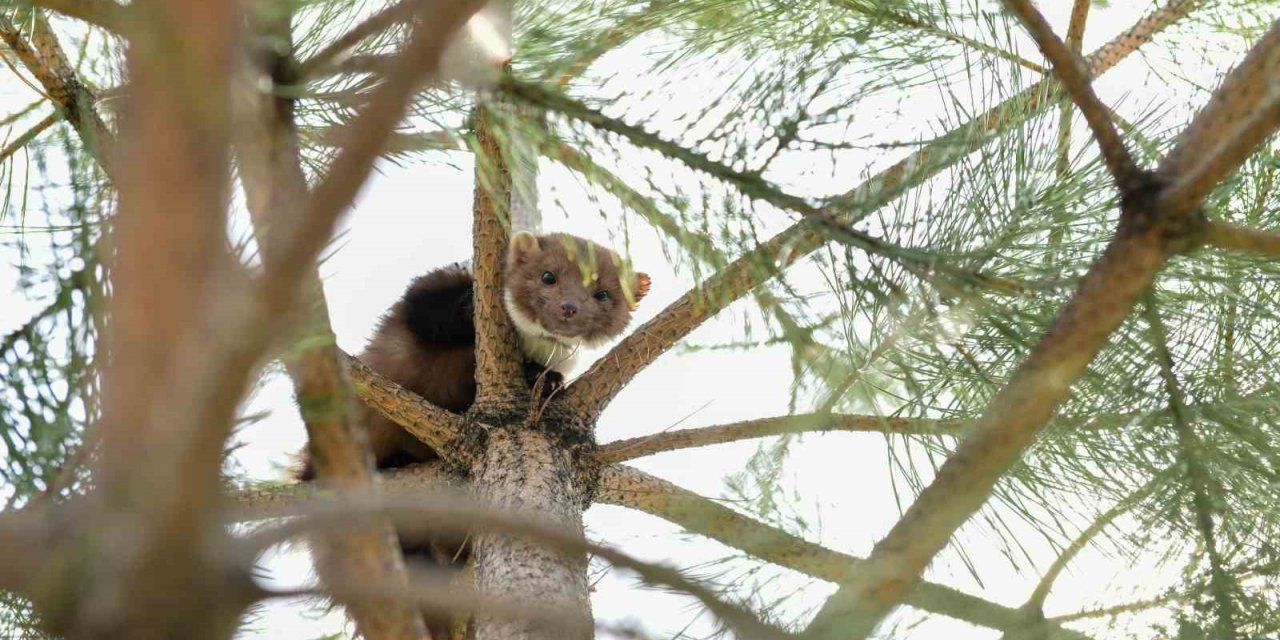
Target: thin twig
(1103,521)
(29,135)
(632,448)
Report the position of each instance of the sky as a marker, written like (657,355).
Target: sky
(409,219)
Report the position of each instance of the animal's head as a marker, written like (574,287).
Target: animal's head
(568,287)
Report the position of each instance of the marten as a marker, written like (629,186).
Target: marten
(563,293)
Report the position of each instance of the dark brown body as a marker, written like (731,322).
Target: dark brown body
(426,344)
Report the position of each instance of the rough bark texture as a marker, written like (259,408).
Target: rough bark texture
(527,472)
(498,368)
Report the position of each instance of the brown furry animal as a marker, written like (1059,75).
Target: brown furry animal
(562,293)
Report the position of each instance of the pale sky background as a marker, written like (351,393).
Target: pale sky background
(410,219)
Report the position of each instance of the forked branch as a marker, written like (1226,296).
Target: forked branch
(592,391)
(1075,79)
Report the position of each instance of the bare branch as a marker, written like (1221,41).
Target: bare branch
(632,448)
(1075,78)
(625,486)
(427,422)
(1236,100)
(1225,235)
(593,390)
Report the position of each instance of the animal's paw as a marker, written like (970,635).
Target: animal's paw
(552,380)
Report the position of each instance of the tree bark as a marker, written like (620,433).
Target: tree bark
(527,471)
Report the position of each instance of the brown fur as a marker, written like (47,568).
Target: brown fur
(426,344)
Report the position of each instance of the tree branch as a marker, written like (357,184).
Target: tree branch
(498,362)
(44,59)
(364,140)
(1075,79)
(427,422)
(593,390)
(622,450)
(1225,235)
(1236,100)
(625,486)
(107,14)
(282,500)
(335,51)
(1230,152)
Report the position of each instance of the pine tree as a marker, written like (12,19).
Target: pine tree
(1049,305)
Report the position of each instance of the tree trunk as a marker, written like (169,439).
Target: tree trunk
(525,470)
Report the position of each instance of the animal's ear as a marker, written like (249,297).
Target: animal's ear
(524,245)
(639,289)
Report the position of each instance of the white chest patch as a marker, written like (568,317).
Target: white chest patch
(539,345)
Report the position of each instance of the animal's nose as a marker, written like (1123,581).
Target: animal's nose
(569,308)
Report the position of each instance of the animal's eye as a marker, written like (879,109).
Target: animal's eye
(602,296)
(548,277)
